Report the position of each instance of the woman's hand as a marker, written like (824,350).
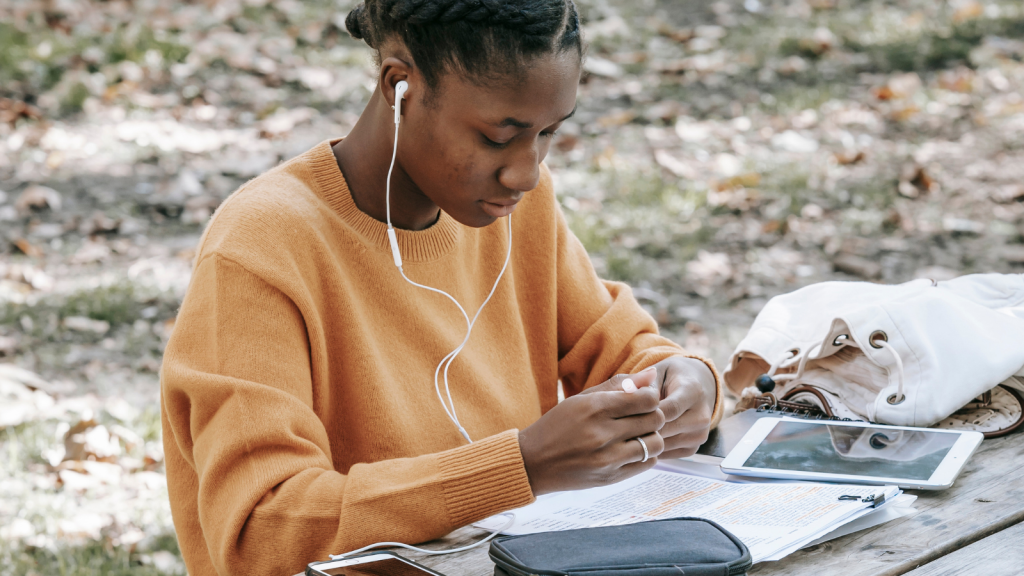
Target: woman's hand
(688,394)
(589,439)
(688,391)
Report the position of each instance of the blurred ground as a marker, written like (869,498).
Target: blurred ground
(723,152)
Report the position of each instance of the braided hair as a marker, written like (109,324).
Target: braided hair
(482,39)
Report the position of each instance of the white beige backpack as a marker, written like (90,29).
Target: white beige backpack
(923,353)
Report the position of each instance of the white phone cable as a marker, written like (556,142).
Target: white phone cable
(396,254)
(507,525)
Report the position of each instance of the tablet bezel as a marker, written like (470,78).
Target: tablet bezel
(943,476)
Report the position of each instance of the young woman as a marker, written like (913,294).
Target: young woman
(305,406)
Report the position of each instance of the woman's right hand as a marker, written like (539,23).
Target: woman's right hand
(589,439)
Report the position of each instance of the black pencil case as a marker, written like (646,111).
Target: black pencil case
(670,547)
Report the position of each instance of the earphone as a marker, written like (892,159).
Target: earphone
(400,89)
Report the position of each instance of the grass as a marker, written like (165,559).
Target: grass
(34,59)
(23,458)
(118,303)
(88,559)
(940,48)
(642,221)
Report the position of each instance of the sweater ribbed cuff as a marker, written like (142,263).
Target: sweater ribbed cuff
(484,478)
(716,414)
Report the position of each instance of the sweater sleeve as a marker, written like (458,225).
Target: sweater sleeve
(239,404)
(602,330)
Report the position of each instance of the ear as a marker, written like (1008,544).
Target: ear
(392,71)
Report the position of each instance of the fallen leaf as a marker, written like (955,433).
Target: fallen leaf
(848,158)
(959,80)
(936,273)
(617,118)
(674,165)
(91,252)
(904,113)
(89,440)
(1009,193)
(962,225)
(199,209)
(746,180)
(98,223)
(27,248)
(38,197)
(914,180)
(821,41)
(857,266)
(882,93)
(13,110)
(566,142)
(1013,253)
(968,11)
(8,345)
(792,65)
(83,324)
(601,67)
(54,159)
(898,87)
(681,35)
(666,111)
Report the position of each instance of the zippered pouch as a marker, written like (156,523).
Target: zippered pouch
(670,547)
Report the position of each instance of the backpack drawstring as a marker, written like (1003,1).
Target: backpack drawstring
(766,382)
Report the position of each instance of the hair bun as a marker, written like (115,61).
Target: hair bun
(355,22)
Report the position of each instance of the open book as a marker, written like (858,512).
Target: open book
(772,518)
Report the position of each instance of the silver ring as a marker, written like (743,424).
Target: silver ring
(642,443)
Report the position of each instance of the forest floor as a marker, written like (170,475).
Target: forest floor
(723,153)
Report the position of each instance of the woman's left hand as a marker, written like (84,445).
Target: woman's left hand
(688,394)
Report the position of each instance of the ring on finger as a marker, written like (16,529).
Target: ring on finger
(644,445)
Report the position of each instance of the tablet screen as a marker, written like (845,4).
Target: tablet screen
(852,450)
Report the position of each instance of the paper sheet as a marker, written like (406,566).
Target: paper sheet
(901,506)
(768,517)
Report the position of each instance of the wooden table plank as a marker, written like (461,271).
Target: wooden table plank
(1001,554)
(988,497)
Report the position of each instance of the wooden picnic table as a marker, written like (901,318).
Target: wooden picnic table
(971,528)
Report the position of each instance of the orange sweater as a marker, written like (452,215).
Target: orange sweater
(298,407)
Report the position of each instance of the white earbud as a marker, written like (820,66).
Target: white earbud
(400,89)
(396,254)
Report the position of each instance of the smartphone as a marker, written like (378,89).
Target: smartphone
(370,564)
(852,452)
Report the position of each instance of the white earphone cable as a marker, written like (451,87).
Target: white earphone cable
(450,357)
(396,253)
(511,521)
(454,353)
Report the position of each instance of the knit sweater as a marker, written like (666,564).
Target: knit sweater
(298,407)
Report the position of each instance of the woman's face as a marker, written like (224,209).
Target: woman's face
(475,150)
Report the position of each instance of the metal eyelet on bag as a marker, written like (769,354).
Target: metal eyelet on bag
(876,336)
(836,341)
(892,399)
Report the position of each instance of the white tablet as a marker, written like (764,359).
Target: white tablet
(852,452)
